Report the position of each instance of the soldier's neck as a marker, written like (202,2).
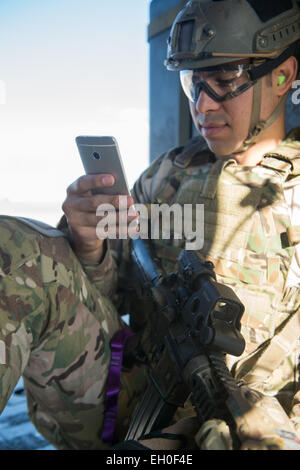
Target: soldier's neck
(270,139)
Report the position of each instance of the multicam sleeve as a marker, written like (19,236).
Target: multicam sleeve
(22,307)
(103,274)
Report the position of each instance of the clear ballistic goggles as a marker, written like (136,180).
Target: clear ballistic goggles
(219,83)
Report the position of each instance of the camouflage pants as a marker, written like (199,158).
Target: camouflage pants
(55,330)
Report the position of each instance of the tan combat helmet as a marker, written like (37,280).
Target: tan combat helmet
(212,34)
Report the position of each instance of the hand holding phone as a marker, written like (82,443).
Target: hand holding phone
(99,155)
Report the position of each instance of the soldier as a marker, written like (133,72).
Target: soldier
(237,62)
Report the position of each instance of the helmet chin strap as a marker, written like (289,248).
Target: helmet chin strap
(256,125)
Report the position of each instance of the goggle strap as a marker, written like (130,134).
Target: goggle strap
(261,125)
(256,106)
(254,129)
(269,65)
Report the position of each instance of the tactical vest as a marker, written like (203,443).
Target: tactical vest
(248,233)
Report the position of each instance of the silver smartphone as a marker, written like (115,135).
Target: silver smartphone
(100,154)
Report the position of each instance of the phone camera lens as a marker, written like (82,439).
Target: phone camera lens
(96,156)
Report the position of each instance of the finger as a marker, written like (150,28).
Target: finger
(76,220)
(115,232)
(90,234)
(91,219)
(86,183)
(94,203)
(89,203)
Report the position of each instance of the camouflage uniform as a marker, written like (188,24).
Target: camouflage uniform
(250,238)
(56,321)
(57,315)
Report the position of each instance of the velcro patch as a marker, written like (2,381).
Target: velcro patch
(2,353)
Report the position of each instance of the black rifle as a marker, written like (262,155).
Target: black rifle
(196,323)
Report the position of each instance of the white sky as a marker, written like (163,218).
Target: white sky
(68,67)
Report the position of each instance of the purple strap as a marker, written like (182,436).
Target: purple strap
(113,385)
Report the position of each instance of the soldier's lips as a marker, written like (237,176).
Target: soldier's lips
(212,130)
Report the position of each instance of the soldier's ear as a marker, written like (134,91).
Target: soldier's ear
(284,76)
